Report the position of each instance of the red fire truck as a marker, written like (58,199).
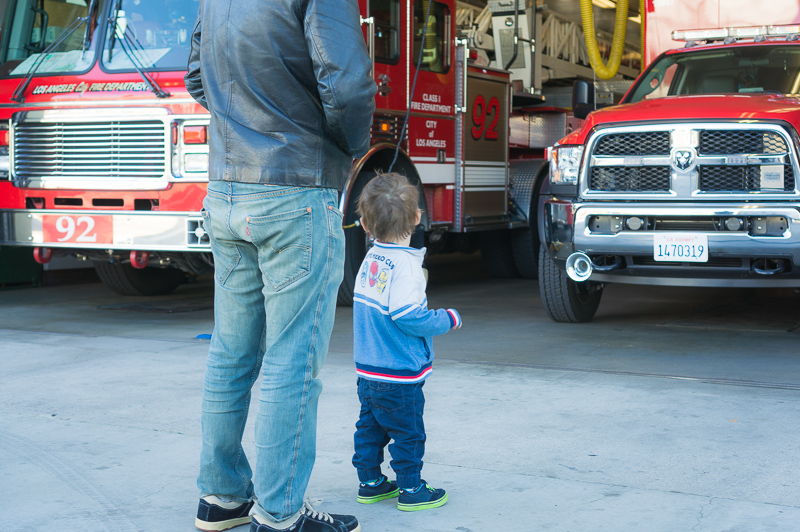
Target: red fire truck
(104,155)
(691,181)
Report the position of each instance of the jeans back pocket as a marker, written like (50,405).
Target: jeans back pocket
(284,245)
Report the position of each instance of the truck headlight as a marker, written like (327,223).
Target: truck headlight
(565,164)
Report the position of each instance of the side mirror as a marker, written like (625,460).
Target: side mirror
(583,98)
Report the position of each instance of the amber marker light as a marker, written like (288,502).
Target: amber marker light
(195,134)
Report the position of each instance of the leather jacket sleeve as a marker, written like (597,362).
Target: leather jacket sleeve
(192,80)
(342,68)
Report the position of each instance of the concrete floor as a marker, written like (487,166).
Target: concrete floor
(674,410)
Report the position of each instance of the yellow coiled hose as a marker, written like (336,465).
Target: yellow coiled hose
(602,70)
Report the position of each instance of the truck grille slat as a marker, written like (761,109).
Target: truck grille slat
(651,143)
(630,179)
(113,148)
(740,142)
(738,178)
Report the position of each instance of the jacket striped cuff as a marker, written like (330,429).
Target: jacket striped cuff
(455,318)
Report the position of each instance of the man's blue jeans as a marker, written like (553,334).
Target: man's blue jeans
(390,411)
(278,259)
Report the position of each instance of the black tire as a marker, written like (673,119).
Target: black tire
(356,243)
(498,257)
(126,280)
(565,300)
(525,246)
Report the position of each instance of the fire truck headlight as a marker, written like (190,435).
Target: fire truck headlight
(565,164)
(195,162)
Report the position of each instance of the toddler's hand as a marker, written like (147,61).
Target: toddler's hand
(455,318)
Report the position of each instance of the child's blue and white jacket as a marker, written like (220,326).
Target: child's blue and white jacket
(392,325)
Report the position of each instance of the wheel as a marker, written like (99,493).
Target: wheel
(525,246)
(565,300)
(356,243)
(498,257)
(525,243)
(126,280)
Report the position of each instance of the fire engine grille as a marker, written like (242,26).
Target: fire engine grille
(631,178)
(650,143)
(113,149)
(738,178)
(725,142)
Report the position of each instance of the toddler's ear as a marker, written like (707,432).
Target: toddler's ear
(419,217)
(364,227)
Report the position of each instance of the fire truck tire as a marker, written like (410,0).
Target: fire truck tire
(356,242)
(498,255)
(525,245)
(126,280)
(565,300)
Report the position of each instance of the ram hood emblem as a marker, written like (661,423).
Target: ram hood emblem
(683,159)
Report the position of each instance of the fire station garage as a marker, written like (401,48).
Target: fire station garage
(608,200)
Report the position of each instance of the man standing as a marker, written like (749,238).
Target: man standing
(291,100)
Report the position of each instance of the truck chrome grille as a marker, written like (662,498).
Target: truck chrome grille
(109,149)
(691,161)
(621,144)
(630,179)
(738,178)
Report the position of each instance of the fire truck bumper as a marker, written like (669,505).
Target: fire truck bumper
(744,245)
(106,230)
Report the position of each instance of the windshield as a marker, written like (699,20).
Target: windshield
(29,26)
(157,33)
(740,69)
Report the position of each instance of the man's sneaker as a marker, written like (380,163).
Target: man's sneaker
(386,489)
(214,515)
(311,520)
(423,498)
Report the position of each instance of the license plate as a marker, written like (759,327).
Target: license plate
(77,229)
(680,247)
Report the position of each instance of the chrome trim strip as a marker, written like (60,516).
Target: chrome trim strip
(132,230)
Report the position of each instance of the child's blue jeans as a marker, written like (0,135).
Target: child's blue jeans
(390,411)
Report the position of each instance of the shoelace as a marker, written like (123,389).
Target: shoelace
(308,509)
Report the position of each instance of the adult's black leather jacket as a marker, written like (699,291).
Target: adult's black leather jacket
(288,87)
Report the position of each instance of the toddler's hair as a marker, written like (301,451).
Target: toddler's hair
(388,206)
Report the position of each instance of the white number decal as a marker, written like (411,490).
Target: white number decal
(65,224)
(85,236)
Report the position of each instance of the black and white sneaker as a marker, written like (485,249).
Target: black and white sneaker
(215,515)
(311,520)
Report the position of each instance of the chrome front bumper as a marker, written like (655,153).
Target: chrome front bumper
(566,229)
(112,230)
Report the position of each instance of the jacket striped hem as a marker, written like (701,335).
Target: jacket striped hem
(401,376)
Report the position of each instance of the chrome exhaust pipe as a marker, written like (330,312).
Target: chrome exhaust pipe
(579,266)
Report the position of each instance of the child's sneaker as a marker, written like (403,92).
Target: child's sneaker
(215,515)
(385,489)
(422,498)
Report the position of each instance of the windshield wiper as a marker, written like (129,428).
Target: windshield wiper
(113,25)
(87,34)
(19,92)
(129,44)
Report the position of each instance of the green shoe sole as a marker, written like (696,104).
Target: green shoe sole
(378,498)
(422,505)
